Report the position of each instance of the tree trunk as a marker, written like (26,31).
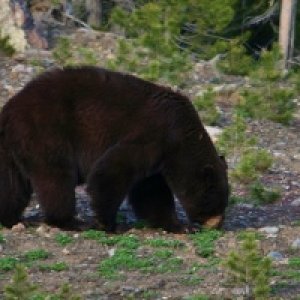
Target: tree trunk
(287,29)
(94,10)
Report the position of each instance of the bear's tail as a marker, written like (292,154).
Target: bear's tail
(15,189)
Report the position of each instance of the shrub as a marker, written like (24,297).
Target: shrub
(5,46)
(248,267)
(237,61)
(251,164)
(261,195)
(205,105)
(270,103)
(66,55)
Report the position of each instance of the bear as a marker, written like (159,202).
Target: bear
(120,135)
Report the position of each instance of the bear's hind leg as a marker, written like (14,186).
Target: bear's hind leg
(15,190)
(153,201)
(55,191)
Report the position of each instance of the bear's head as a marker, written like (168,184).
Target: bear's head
(207,198)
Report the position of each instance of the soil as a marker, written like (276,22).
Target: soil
(83,255)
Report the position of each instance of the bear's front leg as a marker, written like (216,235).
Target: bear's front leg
(110,180)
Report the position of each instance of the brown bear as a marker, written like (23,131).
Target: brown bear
(119,134)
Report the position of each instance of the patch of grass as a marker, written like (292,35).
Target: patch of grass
(288,274)
(35,254)
(66,54)
(128,241)
(169,265)
(2,239)
(294,262)
(160,261)
(197,297)
(63,239)
(262,195)
(242,235)
(150,294)
(122,259)
(296,223)
(191,280)
(204,241)
(93,234)
(8,263)
(57,267)
(163,254)
(5,46)
(125,241)
(251,164)
(162,242)
(206,106)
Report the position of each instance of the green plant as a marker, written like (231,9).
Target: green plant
(234,141)
(191,280)
(262,195)
(8,263)
(197,297)
(125,241)
(251,164)
(57,267)
(151,50)
(123,259)
(20,288)
(5,46)
(2,239)
(63,52)
(204,241)
(66,54)
(36,254)
(267,67)
(63,239)
(206,106)
(294,262)
(237,61)
(163,242)
(248,267)
(268,102)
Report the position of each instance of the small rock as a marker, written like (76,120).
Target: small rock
(296,202)
(111,252)
(270,229)
(296,244)
(18,227)
(275,255)
(214,132)
(43,229)
(65,251)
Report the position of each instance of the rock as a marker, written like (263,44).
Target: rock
(296,202)
(296,244)
(111,252)
(270,229)
(11,26)
(65,251)
(18,227)
(214,132)
(275,255)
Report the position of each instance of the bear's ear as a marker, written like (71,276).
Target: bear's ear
(222,157)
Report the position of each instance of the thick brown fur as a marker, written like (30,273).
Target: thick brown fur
(118,134)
